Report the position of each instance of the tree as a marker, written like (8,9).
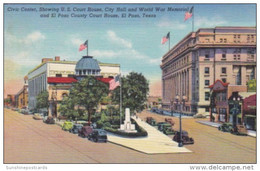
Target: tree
(42,100)
(84,97)
(135,89)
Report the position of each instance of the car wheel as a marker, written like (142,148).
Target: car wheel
(96,139)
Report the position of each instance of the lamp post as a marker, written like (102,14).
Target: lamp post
(236,101)
(180,144)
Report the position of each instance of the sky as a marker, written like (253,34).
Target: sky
(132,42)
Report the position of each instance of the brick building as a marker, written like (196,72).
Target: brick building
(202,57)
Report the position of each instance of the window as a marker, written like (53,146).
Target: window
(207,96)
(206,109)
(224,70)
(70,75)
(206,82)
(224,52)
(221,40)
(58,75)
(224,80)
(206,70)
(225,40)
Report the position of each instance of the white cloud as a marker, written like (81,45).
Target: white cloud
(105,53)
(209,22)
(33,37)
(118,40)
(29,39)
(76,41)
(172,24)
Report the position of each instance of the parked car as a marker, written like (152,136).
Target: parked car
(75,129)
(50,120)
(98,135)
(25,111)
(67,126)
(239,130)
(85,131)
(170,121)
(37,116)
(150,121)
(163,125)
(168,131)
(154,109)
(225,127)
(185,138)
(61,117)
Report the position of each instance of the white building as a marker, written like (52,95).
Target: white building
(37,78)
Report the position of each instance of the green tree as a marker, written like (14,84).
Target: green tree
(135,89)
(42,100)
(84,97)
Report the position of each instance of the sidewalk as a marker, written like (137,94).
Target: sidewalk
(155,143)
(214,124)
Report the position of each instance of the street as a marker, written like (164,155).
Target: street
(31,141)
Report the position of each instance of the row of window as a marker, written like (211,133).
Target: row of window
(223,70)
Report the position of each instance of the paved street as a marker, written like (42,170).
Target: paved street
(30,141)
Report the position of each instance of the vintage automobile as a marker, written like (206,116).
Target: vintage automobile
(185,138)
(168,131)
(239,130)
(75,129)
(85,131)
(225,127)
(150,121)
(49,120)
(38,116)
(67,126)
(98,135)
(169,120)
(163,125)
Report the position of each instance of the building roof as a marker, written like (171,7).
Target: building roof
(104,80)
(87,63)
(224,84)
(64,80)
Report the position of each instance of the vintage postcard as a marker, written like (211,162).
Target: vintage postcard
(129,83)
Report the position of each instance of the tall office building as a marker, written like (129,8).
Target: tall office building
(202,57)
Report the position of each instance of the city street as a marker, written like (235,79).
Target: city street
(31,141)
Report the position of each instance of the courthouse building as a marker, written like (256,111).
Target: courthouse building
(57,76)
(202,57)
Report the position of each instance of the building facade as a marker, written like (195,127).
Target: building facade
(40,78)
(202,57)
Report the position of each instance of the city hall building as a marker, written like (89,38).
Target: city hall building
(202,57)
(56,76)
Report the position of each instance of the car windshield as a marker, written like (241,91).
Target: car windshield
(102,132)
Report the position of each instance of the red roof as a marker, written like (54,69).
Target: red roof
(250,104)
(64,80)
(104,80)
(224,84)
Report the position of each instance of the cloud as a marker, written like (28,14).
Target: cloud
(76,41)
(34,37)
(173,24)
(118,40)
(28,39)
(105,53)
(209,22)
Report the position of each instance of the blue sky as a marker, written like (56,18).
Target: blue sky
(134,43)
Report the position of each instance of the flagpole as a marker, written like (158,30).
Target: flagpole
(193,19)
(87,47)
(169,40)
(120,98)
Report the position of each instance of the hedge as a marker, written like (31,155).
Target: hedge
(140,131)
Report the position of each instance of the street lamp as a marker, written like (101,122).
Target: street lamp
(180,144)
(235,110)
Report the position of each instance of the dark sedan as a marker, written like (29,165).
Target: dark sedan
(98,135)
(185,138)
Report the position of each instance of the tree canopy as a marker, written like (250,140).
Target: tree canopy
(84,97)
(42,100)
(135,89)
